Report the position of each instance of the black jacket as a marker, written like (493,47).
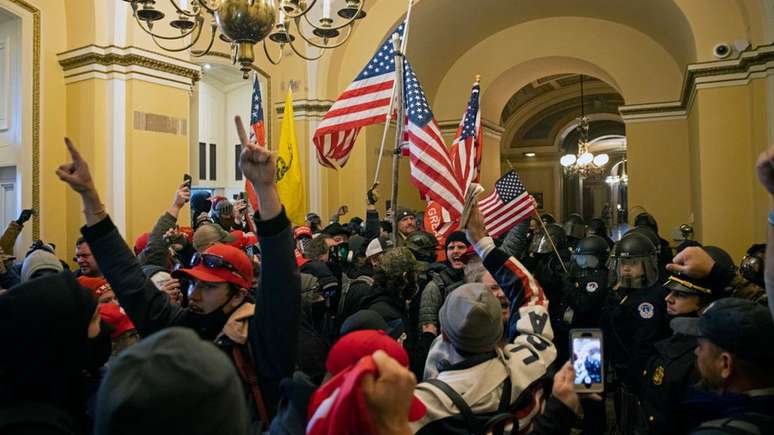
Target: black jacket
(273,329)
(665,382)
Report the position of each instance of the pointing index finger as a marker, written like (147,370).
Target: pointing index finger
(76,156)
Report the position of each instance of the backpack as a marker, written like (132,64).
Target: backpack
(490,422)
(346,283)
(748,423)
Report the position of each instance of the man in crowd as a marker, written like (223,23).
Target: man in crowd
(444,278)
(87,265)
(407,224)
(263,344)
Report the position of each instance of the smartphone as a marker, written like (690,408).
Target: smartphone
(242,195)
(587,360)
(235,197)
(187,180)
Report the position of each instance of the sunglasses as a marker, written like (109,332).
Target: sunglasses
(213,261)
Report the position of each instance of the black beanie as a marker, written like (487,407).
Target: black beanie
(457,236)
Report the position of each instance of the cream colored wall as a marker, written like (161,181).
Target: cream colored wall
(659,171)
(543,176)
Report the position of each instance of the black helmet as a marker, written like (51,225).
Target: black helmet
(591,252)
(541,243)
(752,266)
(423,245)
(575,226)
(646,219)
(597,227)
(650,235)
(548,218)
(634,246)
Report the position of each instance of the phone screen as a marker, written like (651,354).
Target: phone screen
(187,179)
(587,360)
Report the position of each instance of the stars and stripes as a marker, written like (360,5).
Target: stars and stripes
(257,128)
(365,101)
(507,205)
(431,167)
(467,147)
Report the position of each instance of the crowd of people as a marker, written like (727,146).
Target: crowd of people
(244,324)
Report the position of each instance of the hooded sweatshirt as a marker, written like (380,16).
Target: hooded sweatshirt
(172,379)
(44,330)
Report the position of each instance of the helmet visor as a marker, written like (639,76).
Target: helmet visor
(633,272)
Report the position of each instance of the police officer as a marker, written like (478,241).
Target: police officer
(663,250)
(586,289)
(597,227)
(544,264)
(672,369)
(637,322)
(575,228)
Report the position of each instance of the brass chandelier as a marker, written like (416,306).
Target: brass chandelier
(584,163)
(244,23)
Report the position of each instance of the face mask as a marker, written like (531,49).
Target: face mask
(208,326)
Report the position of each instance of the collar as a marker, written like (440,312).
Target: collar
(236,326)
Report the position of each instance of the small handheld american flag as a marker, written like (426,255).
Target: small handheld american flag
(507,205)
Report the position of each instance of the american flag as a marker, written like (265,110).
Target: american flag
(431,167)
(508,205)
(467,146)
(364,102)
(257,135)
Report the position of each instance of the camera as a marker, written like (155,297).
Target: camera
(722,50)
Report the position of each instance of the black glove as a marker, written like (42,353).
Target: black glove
(25,215)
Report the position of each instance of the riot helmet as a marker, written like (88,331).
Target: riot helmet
(597,227)
(575,226)
(423,245)
(541,243)
(647,220)
(650,235)
(752,266)
(548,218)
(633,262)
(591,253)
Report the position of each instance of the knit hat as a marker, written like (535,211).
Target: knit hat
(200,201)
(374,247)
(209,234)
(403,213)
(171,376)
(115,316)
(363,320)
(472,318)
(457,236)
(39,260)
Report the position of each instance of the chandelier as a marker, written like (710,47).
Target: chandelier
(244,23)
(584,163)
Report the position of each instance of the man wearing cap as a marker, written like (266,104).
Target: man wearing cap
(407,224)
(261,339)
(444,278)
(735,359)
(475,367)
(672,369)
(209,234)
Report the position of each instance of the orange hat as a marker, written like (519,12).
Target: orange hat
(98,285)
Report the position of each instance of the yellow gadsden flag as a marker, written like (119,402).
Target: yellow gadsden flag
(289,181)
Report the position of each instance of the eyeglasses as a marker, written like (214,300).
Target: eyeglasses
(213,261)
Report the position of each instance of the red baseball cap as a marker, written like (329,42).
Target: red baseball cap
(302,231)
(236,268)
(115,316)
(358,344)
(141,243)
(97,285)
(242,239)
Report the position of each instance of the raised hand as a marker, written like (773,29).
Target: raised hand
(475,230)
(182,196)
(693,262)
(389,395)
(76,173)
(25,215)
(257,163)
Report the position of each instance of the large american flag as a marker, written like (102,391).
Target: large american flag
(507,205)
(364,102)
(468,144)
(431,167)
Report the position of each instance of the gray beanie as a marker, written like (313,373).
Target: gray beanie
(171,379)
(37,260)
(472,319)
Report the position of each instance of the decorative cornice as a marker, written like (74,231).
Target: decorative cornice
(305,109)
(752,64)
(93,61)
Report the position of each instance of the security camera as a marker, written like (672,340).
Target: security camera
(722,50)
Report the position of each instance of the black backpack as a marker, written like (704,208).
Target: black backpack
(490,422)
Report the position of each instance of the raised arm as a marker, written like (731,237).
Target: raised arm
(765,169)
(157,251)
(147,307)
(275,325)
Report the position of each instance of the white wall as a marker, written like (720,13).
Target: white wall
(212,102)
(238,102)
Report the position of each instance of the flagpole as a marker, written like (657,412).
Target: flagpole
(392,99)
(545,230)
(398,89)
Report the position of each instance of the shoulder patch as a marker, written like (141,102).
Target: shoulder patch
(646,310)
(592,286)
(658,375)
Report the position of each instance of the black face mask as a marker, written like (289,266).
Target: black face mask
(208,326)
